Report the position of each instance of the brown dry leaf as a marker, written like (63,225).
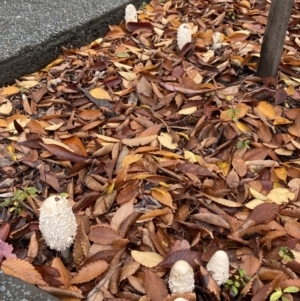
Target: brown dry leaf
(81,246)
(121,214)
(155,287)
(69,293)
(128,270)
(10,90)
(22,269)
(103,235)
(249,262)
(264,212)
(147,259)
(33,247)
(90,271)
(222,201)
(127,194)
(163,196)
(232,179)
(65,275)
(292,228)
(240,166)
(139,141)
(294,130)
(211,218)
(266,109)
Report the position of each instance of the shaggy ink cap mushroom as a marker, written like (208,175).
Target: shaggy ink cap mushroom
(181,279)
(130,14)
(219,267)
(57,222)
(184,35)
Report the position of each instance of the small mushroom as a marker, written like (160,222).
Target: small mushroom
(181,278)
(219,267)
(57,223)
(216,40)
(184,35)
(130,14)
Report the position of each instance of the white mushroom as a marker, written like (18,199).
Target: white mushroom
(216,40)
(181,278)
(219,267)
(180,299)
(130,14)
(184,35)
(57,223)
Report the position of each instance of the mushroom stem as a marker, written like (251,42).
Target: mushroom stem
(66,255)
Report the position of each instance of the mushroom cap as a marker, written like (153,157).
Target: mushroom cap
(57,222)
(181,278)
(219,267)
(130,14)
(184,35)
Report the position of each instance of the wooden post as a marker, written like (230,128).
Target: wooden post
(273,41)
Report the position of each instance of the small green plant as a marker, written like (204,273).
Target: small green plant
(284,295)
(243,144)
(285,254)
(237,282)
(232,113)
(14,203)
(143,6)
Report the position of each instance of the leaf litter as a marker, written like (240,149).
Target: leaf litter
(166,154)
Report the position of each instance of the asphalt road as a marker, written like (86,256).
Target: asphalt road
(33,31)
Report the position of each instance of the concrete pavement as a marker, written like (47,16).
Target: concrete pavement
(33,31)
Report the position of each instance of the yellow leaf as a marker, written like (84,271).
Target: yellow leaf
(6,108)
(54,127)
(152,214)
(147,259)
(224,166)
(190,156)
(258,195)
(266,109)
(281,173)
(166,141)
(100,93)
(281,120)
(129,159)
(130,76)
(163,196)
(253,203)
(54,63)
(187,111)
(110,188)
(11,150)
(10,90)
(243,128)
(56,142)
(27,84)
(280,195)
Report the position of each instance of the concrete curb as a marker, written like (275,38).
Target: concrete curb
(58,23)
(15,289)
